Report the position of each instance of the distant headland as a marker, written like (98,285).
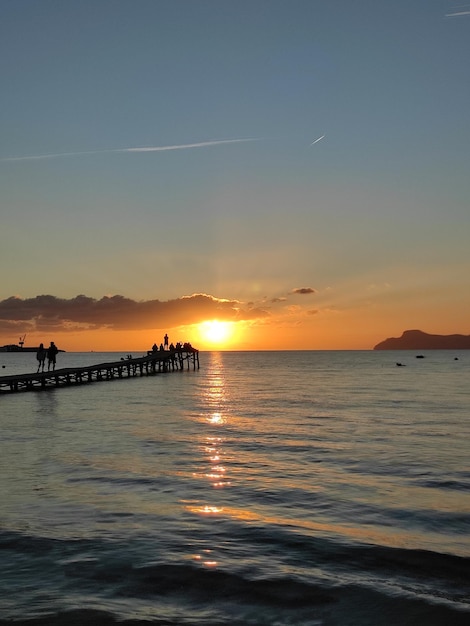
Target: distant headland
(13,347)
(418,340)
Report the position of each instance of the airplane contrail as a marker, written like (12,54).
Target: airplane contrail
(317,140)
(185,146)
(458,14)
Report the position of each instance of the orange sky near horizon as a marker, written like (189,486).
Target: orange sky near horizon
(294,330)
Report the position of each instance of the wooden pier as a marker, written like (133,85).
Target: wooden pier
(154,363)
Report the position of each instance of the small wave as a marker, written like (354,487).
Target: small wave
(455,485)
(206,584)
(116,578)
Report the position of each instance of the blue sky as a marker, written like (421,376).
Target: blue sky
(373,219)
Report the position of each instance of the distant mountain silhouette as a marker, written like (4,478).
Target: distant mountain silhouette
(417,340)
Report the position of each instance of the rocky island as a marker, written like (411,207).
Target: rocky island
(418,340)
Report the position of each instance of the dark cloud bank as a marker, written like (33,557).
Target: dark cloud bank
(117,313)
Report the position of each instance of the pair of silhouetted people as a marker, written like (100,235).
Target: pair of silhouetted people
(50,353)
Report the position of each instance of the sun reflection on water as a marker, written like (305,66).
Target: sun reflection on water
(205,560)
(211,469)
(215,398)
(216,418)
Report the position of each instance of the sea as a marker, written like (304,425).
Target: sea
(282,488)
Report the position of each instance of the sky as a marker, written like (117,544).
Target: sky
(244,175)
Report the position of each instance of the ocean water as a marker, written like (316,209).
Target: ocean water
(266,488)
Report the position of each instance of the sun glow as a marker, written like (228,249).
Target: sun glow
(216,332)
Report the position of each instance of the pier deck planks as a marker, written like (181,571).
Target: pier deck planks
(126,368)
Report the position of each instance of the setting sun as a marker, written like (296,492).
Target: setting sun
(216,332)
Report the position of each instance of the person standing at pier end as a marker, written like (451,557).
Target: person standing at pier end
(52,351)
(41,357)
(165,341)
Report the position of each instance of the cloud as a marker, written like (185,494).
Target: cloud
(185,146)
(303,291)
(52,314)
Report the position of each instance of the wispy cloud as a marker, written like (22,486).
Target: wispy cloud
(317,140)
(185,146)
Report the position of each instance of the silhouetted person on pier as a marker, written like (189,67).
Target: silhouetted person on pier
(41,357)
(52,351)
(165,341)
